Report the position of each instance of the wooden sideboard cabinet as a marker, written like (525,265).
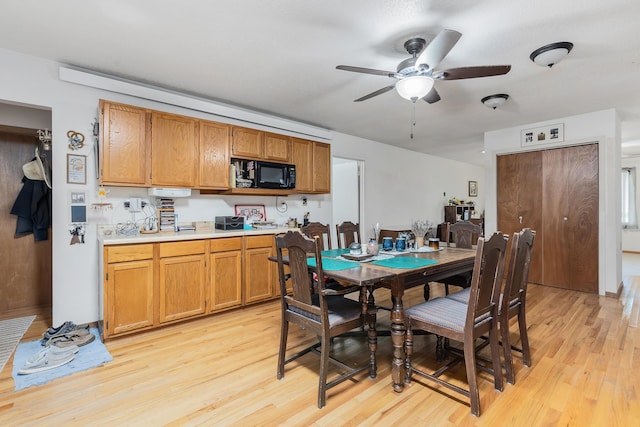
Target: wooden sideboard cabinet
(128,289)
(225,277)
(124,147)
(182,279)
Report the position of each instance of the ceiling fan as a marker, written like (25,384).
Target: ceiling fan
(416,75)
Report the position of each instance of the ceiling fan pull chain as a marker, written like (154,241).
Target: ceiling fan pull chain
(413,117)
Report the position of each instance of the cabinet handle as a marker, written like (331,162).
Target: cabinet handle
(565,218)
(520,219)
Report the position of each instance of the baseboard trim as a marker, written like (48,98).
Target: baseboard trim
(615,294)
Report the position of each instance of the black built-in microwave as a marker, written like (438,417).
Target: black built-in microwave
(275,175)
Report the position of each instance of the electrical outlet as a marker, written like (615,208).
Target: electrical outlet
(135,204)
(304,201)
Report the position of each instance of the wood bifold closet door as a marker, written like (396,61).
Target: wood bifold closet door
(554,192)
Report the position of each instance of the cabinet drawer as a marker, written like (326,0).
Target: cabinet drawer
(182,248)
(226,244)
(129,252)
(265,241)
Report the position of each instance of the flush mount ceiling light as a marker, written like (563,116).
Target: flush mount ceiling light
(551,54)
(414,87)
(495,101)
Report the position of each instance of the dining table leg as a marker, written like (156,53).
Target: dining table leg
(397,335)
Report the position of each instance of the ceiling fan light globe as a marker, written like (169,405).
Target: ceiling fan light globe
(414,87)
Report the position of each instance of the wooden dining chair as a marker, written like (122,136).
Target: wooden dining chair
(462,233)
(391,233)
(512,299)
(325,314)
(347,233)
(314,229)
(464,322)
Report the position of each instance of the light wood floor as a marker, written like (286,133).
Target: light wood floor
(221,370)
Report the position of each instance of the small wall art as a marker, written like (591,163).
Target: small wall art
(252,213)
(473,188)
(76,169)
(542,135)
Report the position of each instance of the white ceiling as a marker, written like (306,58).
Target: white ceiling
(279,57)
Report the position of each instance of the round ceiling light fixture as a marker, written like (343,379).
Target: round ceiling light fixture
(551,54)
(414,87)
(495,101)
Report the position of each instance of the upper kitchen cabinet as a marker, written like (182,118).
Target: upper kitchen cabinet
(277,147)
(321,168)
(313,166)
(124,147)
(247,143)
(174,150)
(302,158)
(213,168)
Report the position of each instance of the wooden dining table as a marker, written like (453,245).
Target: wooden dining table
(448,261)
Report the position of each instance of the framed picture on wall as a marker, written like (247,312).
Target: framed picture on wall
(76,169)
(252,213)
(473,188)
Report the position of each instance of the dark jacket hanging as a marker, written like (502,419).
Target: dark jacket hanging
(33,208)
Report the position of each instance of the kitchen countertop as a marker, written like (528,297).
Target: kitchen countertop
(115,239)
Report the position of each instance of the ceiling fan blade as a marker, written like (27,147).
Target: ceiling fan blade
(432,97)
(366,70)
(376,93)
(471,72)
(438,48)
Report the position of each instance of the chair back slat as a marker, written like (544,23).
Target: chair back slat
(462,233)
(486,280)
(520,260)
(316,229)
(347,233)
(297,246)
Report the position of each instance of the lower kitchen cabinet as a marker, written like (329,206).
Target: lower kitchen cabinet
(182,279)
(147,285)
(225,273)
(259,272)
(128,289)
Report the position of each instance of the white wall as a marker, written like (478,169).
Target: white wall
(345,191)
(400,185)
(601,126)
(631,238)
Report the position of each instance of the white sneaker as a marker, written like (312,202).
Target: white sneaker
(46,359)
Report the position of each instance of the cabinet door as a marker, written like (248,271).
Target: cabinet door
(182,279)
(182,287)
(123,153)
(321,168)
(214,159)
(570,184)
(225,272)
(277,147)
(174,150)
(226,280)
(259,274)
(519,200)
(129,297)
(302,157)
(247,143)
